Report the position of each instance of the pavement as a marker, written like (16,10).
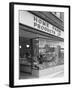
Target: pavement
(53,72)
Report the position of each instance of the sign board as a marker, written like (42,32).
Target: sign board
(33,21)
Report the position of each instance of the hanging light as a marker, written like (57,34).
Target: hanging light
(27,46)
(20,46)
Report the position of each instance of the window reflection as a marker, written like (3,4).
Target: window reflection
(48,53)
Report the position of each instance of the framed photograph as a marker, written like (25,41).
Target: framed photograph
(39,50)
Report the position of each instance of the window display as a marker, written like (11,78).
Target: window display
(47,53)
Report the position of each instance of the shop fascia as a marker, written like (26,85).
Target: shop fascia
(37,23)
(46,27)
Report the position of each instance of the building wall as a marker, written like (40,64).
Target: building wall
(62,16)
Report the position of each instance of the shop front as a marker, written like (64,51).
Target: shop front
(41,45)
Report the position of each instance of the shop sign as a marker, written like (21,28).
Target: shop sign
(42,25)
(33,21)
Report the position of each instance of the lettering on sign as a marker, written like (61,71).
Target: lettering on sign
(45,26)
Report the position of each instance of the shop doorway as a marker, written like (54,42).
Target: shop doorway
(28,51)
(25,55)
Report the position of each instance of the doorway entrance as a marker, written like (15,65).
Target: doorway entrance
(28,51)
(25,54)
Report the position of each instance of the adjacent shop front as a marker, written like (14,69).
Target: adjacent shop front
(41,44)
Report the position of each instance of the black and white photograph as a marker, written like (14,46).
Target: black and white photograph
(40,44)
